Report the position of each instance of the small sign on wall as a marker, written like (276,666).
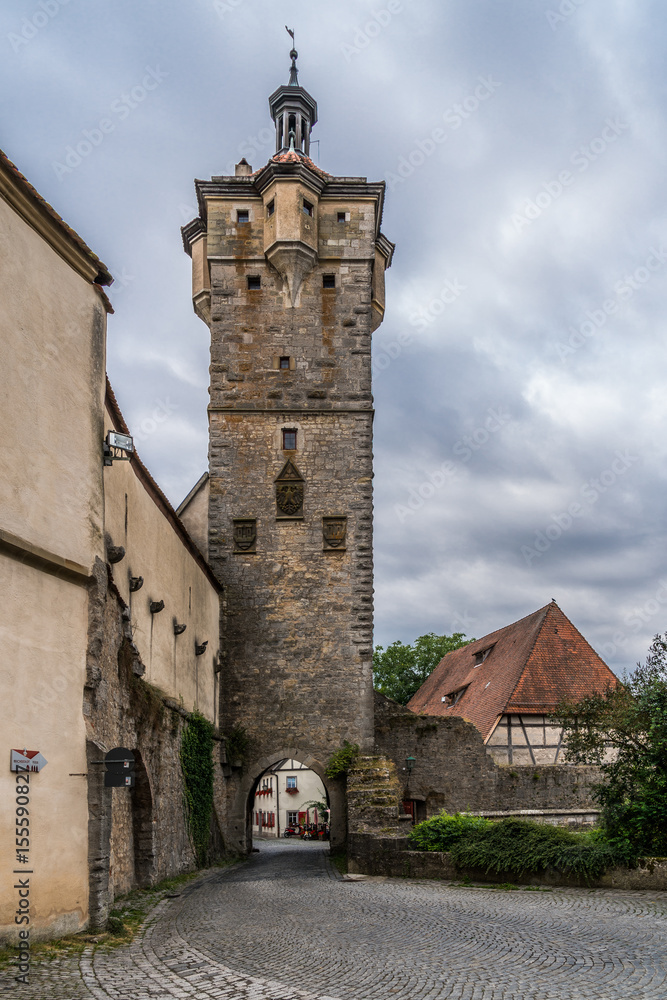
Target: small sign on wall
(27,760)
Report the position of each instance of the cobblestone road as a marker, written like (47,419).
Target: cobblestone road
(283,926)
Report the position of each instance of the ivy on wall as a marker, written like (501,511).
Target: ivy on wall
(196,755)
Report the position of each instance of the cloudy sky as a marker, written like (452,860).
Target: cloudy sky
(519,375)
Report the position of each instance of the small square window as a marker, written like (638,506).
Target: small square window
(341,216)
(254,282)
(291,781)
(328,281)
(283,363)
(307,207)
(289,439)
(242,216)
(270,208)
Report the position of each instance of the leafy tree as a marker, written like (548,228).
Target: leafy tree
(400,670)
(624,731)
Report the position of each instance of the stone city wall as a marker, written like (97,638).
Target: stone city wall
(454,772)
(390,856)
(136,836)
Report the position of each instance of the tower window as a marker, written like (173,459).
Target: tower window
(284,362)
(341,216)
(328,281)
(242,216)
(289,439)
(270,208)
(307,207)
(254,282)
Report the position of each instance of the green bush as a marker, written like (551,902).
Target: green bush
(519,846)
(342,760)
(440,832)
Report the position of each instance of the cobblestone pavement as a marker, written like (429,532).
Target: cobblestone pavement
(284,926)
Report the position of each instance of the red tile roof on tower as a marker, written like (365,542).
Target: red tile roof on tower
(291,156)
(532,665)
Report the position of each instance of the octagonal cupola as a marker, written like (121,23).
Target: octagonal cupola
(294,112)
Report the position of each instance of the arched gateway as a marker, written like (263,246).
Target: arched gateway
(288,273)
(240,823)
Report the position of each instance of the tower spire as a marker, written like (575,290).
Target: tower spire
(293,73)
(293,110)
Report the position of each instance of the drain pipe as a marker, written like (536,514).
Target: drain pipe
(277,805)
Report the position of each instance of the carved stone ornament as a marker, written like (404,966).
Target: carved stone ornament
(334,530)
(245,534)
(289,492)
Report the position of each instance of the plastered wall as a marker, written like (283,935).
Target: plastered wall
(157,552)
(52,343)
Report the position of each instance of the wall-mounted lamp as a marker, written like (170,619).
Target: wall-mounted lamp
(179,629)
(115,553)
(117,448)
(200,648)
(156,607)
(409,764)
(136,583)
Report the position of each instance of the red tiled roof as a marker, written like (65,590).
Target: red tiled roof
(535,663)
(293,157)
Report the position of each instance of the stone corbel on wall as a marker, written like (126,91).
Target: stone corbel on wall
(293,261)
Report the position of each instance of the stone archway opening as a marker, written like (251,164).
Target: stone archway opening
(289,799)
(267,781)
(142,825)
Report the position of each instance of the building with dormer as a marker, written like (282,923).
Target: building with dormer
(508,683)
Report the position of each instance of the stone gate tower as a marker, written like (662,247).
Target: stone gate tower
(288,272)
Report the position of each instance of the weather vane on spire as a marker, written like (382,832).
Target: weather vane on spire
(293,78)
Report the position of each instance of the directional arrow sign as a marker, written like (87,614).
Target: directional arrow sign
(28,760)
